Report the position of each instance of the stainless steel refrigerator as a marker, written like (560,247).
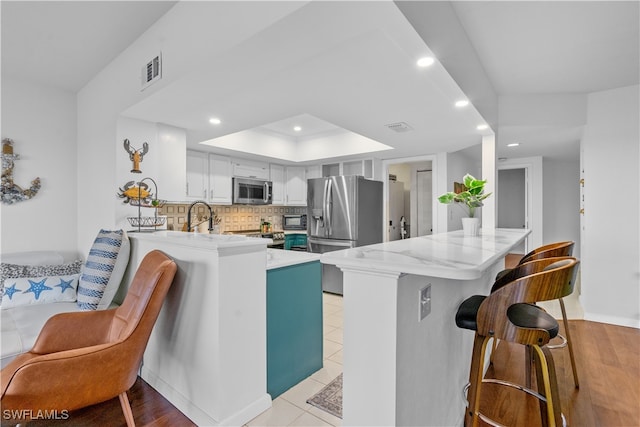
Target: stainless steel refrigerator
(342,212)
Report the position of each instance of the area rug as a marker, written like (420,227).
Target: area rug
(329,399)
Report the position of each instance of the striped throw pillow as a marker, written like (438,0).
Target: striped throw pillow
(97,271)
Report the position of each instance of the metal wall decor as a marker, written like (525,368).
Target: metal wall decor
(136,155)
(12,193)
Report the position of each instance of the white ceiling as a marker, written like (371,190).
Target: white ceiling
(351,64)
(547,47)
(66,43)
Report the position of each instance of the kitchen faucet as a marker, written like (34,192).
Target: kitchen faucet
(210,214)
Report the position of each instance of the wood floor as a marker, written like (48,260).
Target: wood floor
(608,363)
(608,360)
(149,408)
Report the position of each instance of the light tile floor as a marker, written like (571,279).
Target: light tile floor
(291,407)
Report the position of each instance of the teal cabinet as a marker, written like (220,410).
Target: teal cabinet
(292,240)
(294,325)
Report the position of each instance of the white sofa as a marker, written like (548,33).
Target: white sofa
(20,326)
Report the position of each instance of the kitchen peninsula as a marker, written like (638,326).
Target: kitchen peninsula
(402,367)
(207,351)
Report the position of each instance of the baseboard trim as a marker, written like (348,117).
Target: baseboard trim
(613,320)
(196,414)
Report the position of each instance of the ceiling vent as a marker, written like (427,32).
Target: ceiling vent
(152,71)
(399,127)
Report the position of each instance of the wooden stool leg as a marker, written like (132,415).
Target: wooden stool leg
(126,409)
(529,358)
(569,343)
(475,380)
(551,413)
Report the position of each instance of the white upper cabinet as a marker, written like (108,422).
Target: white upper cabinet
(249,169)
(278,189)
(197,175)
(369,168)
(296,186)
(208,177)
(314,171)
(220,185)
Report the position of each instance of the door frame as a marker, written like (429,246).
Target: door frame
(439,216)
(533,183)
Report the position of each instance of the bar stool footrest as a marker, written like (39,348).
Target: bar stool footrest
(561,345)
(512,385)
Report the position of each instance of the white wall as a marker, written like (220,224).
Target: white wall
(42,123)
(117,87)
(459,164)
(165,163)
(610,238)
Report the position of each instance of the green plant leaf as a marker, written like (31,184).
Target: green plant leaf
(447,198)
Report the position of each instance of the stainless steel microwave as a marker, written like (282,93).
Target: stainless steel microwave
(248,191)
(294,222)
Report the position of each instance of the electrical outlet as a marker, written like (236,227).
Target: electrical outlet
(425,301)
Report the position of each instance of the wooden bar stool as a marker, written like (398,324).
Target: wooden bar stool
(552,250)
(508,313)
(547,251)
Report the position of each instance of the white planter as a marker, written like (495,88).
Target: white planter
(471,226)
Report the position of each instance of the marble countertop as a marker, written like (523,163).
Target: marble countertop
(202,240)
(448,255)
(277,258)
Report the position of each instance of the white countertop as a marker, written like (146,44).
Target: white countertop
(201,240)
(448,255)
(277,258)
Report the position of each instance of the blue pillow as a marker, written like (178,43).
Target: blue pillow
(103,270)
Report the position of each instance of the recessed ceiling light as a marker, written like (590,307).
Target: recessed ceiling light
(297,128)
(215,121)
(482,127)
(513,144)
(426,61)
(462,103)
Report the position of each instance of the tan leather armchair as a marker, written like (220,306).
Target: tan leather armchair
(84,358)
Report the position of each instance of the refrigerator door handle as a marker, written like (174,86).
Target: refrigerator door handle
(329,203)
(325,195)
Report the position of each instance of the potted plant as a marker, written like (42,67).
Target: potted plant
(471,193)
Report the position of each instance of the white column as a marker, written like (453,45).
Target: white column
(369,353)
(489,217)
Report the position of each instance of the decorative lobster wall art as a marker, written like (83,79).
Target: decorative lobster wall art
(12,193)
(136,155)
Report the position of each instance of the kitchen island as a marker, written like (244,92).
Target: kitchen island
(404,360)
(294,318)
(207,351)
